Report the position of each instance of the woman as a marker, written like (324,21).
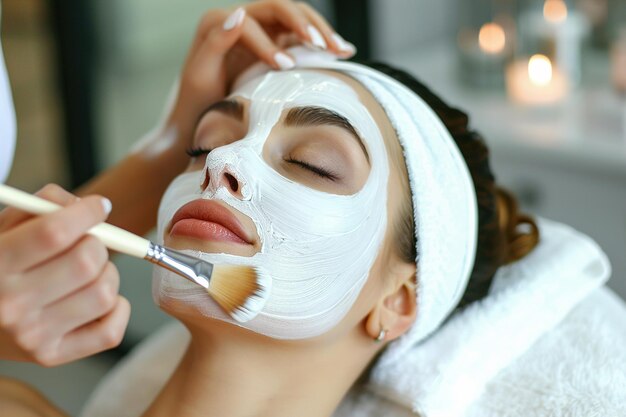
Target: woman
(316,172)
(327,340)
(301,162)
(340,150)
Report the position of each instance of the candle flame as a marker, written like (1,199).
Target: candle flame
(492,38)
(555,11)
(540,70)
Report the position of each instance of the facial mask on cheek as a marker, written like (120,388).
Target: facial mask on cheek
(317,247)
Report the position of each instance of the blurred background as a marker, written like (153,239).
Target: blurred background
(543,80)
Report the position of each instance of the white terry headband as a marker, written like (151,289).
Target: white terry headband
(444,199)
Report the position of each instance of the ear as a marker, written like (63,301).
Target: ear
(396,310)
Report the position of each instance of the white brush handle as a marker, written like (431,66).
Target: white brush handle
(113,237)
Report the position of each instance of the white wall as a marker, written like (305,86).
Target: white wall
(403,24)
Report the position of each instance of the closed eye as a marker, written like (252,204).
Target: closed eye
(321,172)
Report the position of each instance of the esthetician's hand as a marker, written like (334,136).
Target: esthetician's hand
(229,41)
(58,291)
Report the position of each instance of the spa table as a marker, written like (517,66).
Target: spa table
(566,162)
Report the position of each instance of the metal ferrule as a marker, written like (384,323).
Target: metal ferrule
(193,269)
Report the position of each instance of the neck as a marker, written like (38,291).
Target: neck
(240,374)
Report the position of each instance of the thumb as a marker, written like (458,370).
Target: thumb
(223,37)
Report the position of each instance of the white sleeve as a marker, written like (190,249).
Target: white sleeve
(7,120)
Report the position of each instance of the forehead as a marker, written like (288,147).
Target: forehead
(317,87)
(299,87)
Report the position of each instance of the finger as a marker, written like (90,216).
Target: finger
(285,40)
(79,308)
(288,15)
(256,40)
(63,275)
(207,23)
(211,53)
(12,216)
(224,36)
(24,296)
(217,33)
(46,236)
(102,334)
(335,41)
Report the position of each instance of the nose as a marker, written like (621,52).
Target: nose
(223,178)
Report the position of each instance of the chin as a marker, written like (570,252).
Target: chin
(200,324)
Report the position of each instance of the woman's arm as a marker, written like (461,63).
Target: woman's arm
(20,400)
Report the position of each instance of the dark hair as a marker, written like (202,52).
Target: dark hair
(501,240)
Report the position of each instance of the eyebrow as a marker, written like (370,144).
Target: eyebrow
(229,107)
(296,117)
(320,116)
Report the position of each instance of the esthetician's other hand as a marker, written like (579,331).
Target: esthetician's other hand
(58,291)
(229,41)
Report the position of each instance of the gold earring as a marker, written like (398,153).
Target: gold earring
(381,335)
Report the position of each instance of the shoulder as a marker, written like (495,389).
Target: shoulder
(18,399)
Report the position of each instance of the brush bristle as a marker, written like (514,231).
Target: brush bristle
(240,290)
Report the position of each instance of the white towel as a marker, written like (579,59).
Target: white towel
(445,374)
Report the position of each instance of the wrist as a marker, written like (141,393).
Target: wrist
(178,120)
(182,125)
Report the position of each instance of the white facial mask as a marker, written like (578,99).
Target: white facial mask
(317,247)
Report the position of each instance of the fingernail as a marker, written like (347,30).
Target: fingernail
(284,61)
(316,37)
(234,19)
(107,205)
(343,44)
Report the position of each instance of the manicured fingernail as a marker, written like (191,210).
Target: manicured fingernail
(343,44)
(284,61)
(107,205)
(316,37)
(234,19)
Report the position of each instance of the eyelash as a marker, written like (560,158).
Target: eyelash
(198,151)
(321,172)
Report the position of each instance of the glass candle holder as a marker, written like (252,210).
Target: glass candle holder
(485,41)
(536,81)
(555,29)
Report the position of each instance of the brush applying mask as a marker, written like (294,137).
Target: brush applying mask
(240,290)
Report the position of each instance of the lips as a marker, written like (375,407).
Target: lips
(208,220)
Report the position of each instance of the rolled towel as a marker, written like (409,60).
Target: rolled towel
(446,373)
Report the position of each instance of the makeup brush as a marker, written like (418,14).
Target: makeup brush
(240,290)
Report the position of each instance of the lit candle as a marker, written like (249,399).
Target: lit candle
(492,38)
(484,55)
(540,70)
(558,33)
(536,82)
(555,11)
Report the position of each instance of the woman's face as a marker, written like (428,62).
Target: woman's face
(296,167)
